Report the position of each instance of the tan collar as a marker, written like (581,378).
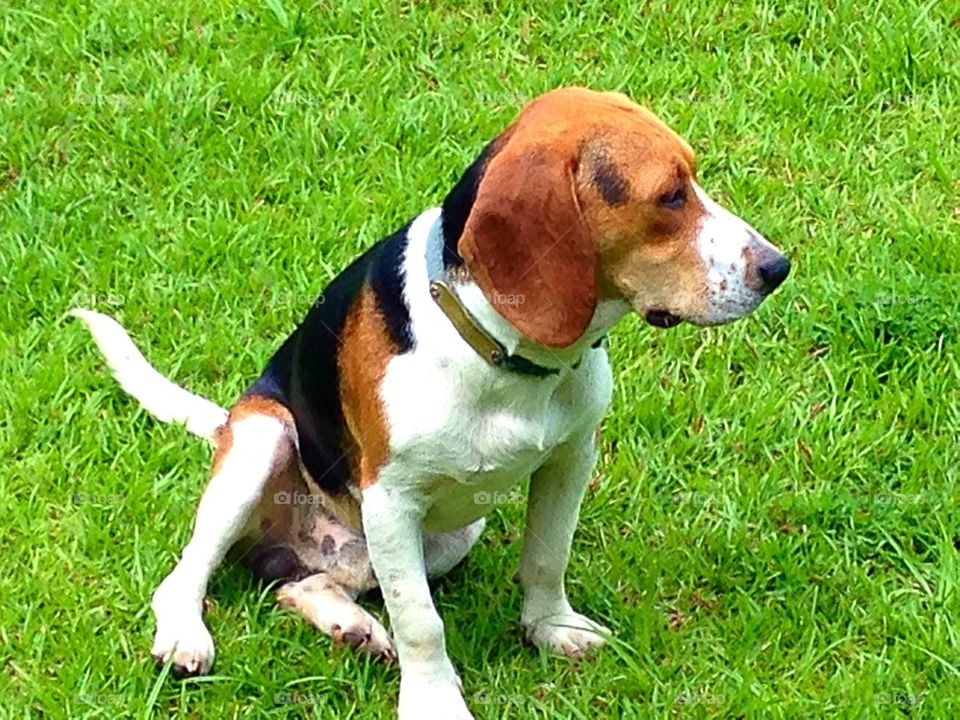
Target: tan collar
(473,333)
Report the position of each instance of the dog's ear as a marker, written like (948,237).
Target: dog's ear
(528,247)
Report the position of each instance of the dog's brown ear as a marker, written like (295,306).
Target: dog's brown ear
(527,245)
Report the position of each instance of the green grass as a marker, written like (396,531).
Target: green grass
(775,529)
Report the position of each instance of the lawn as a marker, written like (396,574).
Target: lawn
(774,527)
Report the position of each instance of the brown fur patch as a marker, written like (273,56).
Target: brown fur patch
(259,405)
(365,349)
(567,213)
(224,443)
(524,241)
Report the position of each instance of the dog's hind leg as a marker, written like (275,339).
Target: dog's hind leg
(332,608)
(328,599)
(443,551)
(256,443)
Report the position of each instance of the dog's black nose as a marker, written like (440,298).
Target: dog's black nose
(773,272)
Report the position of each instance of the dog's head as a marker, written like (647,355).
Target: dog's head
(588,197)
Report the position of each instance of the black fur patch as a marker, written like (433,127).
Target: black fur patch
(386,278)
(275,562)
(459,202)
(613,187)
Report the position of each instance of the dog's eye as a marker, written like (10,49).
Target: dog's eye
(674,199)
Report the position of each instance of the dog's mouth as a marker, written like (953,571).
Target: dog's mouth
(662,318)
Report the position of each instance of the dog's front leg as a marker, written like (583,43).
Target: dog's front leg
(553,506)
(429,685)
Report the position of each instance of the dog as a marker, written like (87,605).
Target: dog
(455,358)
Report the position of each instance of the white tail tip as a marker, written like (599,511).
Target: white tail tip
(162,398)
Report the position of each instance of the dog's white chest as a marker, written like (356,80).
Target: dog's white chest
(464,435)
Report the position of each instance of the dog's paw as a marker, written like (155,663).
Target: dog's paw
(339,617)
(367,635)
(188,644)
(569,634)
(430,698)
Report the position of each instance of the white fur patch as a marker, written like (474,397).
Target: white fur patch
(429,684)
(725,243)
(556,491)
(163,399)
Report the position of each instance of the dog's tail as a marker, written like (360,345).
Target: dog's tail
(162,398)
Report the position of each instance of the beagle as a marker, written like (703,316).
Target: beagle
(452,360)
